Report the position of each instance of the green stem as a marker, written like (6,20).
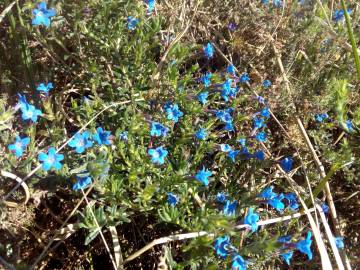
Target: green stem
(352,39)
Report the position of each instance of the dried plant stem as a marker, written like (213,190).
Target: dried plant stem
(117,248)
(19,180)
(322,173)
(99,228)
(6,10)
(331,238)
(184,236)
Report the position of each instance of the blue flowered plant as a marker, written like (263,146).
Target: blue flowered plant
(209,51)
(29,112)
(158,130)
(238,263)
(202,97)
(158,155)
(173,112)
(266,83)
(102,137)
(82,182)
(229,208)
(244,78)
(251,219)
(203,175)
(220,197)
(201,134)
(287,164)
(42,15)
(81,142)
(339,242)
(132,23)
(304,246)
(222,246)
(19,146)
(51,159)
(206,79)
(287,256)
(172,199)
(42,87)
(261,136)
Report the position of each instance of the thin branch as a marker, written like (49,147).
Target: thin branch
(99,228)
(184,236)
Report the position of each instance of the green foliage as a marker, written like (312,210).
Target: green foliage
(109,76)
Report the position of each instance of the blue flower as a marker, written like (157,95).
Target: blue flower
(242,141)
(258,122)
(224,116)
(264,2)
(82,182)
(158,130)
(45,88)
(238,263)
(304,246)
(51,159)
(320,117)
(325,208)
(245,152)
(220,197)
(202,176)
(287,256)
(124,135)
(287,164)
(206,79)
(291,197)
(202,97)
(81,142)
(339,15)
(284,239)
(102,136)
(151,5)
(28,111)
(229,126)
(132,23)
(226,89)
(229,208)
(251,219)
(201,134)
(261,136)
(232,154)
(277,203)
(222,246)
(232,26)
(158,155)
(231,69)
(209,51)
(173,112)
(260,155)
(349,126)
(260,99)
(225,148)
(266,83)
(42,15)
(172,199)
(244,78)
(267,193)
(277,3)
(265,112)
(19,146)
(339,242)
